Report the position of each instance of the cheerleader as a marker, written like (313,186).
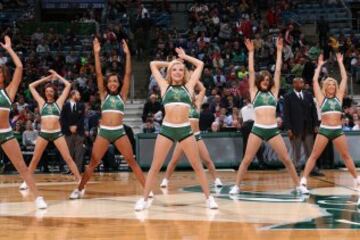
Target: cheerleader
(330,95)
(8,142)
(176,91)
(50,109)
(194,116)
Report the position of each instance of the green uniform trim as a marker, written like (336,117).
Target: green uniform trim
(193,113)
(111,134)
(331,105)
(265,133)
(7,135)
(113,103)
(50,110)
(50,136)
(177,94)
(264,99)
(5,103)
(197,136)
(176,133)
(331,134)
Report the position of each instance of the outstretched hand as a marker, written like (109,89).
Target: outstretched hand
(279,43)
(125,47)
(321,61)
(249,45)
(53,74)
(339,57)
(180,52)
(96,45)
(7,44)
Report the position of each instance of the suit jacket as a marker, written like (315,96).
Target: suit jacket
(69,118)
(300,116)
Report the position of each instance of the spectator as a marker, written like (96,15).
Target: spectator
(301,122)
(150,126)
(206,118)
(152,107)
(29,135)
(72,123)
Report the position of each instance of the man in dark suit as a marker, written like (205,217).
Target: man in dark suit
(72,124)
(301,121)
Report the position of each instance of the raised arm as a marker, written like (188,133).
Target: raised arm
(277,74)
(35,93)
(128,72)
(99,75)
(12,88)
(155,67)
(342,86)
(65,93)
(200,97)
(199,66)
(250,47)
(316,86)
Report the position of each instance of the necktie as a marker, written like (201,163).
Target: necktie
(74,107)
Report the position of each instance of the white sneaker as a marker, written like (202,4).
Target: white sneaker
(151,194)
(164,183)
(210,203)
(218,183)
(357,181)
(77,194)
(141,205)
(302,189)
(303,181)
(23,186)
(234,190)
(40,203)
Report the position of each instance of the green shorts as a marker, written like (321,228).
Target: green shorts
(331,132)
(265,133)
(111,133)
(176,132)
(50,135)
(197,136)
(6,134)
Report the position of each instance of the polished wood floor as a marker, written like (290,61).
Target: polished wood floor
(266,210)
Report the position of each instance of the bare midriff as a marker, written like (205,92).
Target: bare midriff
(50,123)
(331,119)
(4,116)
(111,119)
(176,114)
(265,116)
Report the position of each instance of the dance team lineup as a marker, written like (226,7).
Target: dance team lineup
(182,95)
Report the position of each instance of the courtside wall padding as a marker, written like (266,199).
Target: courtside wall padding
(225,149)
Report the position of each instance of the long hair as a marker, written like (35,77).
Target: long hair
(261,76)
(325,83)
(168,72)
(51,85)
(6,74)
(108,76)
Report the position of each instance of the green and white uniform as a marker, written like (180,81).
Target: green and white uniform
(176,95)
(50,110)
(265,100)
(331,106)
(114,104)
(6,134)
(195,115)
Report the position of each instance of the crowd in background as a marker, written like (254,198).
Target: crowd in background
(216,36)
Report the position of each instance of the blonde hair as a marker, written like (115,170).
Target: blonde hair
(169,68)
(325,83)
